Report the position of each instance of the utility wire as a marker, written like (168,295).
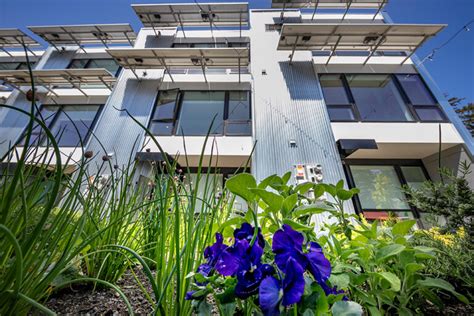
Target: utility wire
(431,55)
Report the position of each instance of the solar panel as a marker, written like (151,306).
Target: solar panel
(330,4)
(356,37)
(193,14)
(80,35)
(75,78)
(399,37)
(15,38)
(181,57)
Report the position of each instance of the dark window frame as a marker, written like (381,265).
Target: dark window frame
(411,108)
(396,164)
(89,60)
(229,44)
(20,63)
(55,116)
(178,108)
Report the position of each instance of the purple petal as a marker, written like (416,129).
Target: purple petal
(293,284)
(287,244)
(319,265)
(246,232)
(232,259)
(269,296)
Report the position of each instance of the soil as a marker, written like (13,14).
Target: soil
(83,300)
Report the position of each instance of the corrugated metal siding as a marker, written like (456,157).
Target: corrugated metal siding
(115,131)
(12,123)
(288,105)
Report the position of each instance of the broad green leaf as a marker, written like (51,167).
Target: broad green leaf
(297,226)
(344,194)
(228,309)
(340,184)
(275,201)
(394,281)
(346,308)
(304,187)
(442,285)
(286,177)
(231,222)
(329,188)
(266,182)
(340,280)
(241,184)
(319,190)
(388,251)
(411,268)
(289,203)
(402,228)
(311,209)
(374,311)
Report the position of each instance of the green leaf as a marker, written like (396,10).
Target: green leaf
(311,209)
(289,203)
(297,226)
(346,308)
(411,268)
(266,182)
(402,228)
(228,309)
(273,200)
(304,187)
(329,188)
(374,311)
(286,177)
(203,308)
(344,194)
(394,281)
(231,222)
(442,285)
(319,190)
(388,251)
(340,184)
(241,184)
(340,280)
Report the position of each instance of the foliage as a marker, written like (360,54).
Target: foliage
(465,112)
(451,198)
(454,261)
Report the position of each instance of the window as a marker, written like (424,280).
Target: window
(163,118)
(68,124)
(337,100)
(191,113)
(380,188)
(15,65)
(379,98)
(107,63)
(210,44)
(380,183)
(421,98)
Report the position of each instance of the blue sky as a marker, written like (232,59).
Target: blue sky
(452,67)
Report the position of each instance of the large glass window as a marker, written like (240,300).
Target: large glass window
(191,113)
(71,123)
(380,188)
(198,110)
(377,98)
(15,65)
(238,116)
(337,100)
(162,121)
(107,63)
(414,176)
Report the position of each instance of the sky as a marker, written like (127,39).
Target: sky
(452,67)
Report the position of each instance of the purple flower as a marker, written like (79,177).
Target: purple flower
(212,254)
(288,243)
(334,291)
(244,262)
(246,232)
(288,292)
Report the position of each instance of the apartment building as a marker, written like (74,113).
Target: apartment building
(328,89)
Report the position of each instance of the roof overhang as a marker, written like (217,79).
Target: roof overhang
(347,147)
(50,79)
(88,34)
(356,37)
(164,58)
(15,38)
(193,14)
(330,4)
